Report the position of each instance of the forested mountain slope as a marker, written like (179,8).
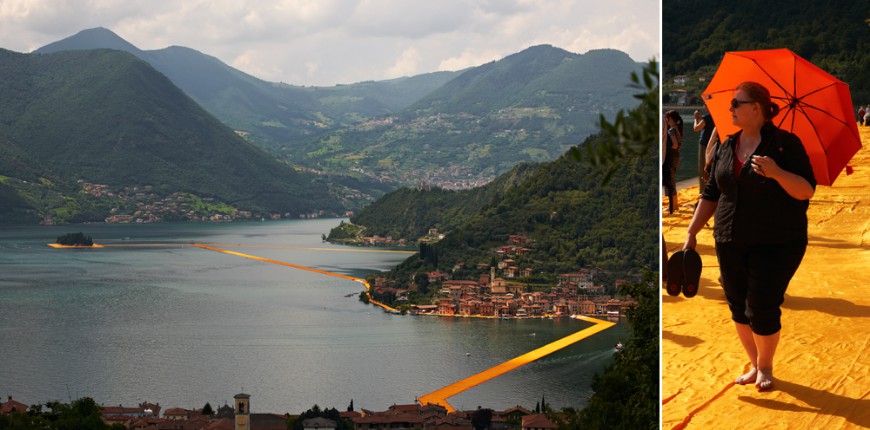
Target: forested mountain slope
(106,117)
(527,107)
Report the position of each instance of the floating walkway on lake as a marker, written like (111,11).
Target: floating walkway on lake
(296,266)
(281,263)
(440,396)
(239,245)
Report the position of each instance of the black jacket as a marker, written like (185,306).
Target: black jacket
(753,209)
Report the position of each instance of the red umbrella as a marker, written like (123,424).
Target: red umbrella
(814,105)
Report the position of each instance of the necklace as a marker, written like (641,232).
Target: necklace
(746,148)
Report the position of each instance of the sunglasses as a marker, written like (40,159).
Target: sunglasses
(736,103)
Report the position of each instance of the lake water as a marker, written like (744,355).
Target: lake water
(182,326)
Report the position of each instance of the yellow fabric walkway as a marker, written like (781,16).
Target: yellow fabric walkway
(440,396)
(822,366)
(296,266)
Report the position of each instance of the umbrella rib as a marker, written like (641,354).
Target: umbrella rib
(818,89)
(772,79)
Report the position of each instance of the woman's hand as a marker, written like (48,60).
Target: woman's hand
(796,186)
(765,166)
(691,242)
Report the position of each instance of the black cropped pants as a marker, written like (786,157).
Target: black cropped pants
(755,278)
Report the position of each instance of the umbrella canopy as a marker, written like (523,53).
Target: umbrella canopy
(814,105)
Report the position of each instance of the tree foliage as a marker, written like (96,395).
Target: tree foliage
(410,213)
(631,135)
(329,413)
(627,393)
(75,239)
(833,35)
(81,414)
(481,418)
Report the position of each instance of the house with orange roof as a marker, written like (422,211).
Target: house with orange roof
(437,276)
(487,308)
(587,307)
(12,406)
(175,414)
(537,422)
(446,306)
(519,240)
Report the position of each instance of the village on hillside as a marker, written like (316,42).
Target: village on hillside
(498,295)
(240,416)
(144,204)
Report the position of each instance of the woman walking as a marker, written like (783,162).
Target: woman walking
(673,140)
(759,190)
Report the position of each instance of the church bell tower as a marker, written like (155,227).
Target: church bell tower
(243,412)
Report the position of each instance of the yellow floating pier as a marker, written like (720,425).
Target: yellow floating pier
(440,396)
(296,266)
(59,246)
(822,366)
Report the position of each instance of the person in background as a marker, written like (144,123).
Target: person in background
(674,138)
(759,189)
(703,124)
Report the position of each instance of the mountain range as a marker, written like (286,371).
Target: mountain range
(270,113)
(445,128)
(78,112)
(528,107)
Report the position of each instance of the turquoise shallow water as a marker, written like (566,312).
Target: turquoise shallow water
(184,326)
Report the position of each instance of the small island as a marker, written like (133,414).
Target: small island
(74,240)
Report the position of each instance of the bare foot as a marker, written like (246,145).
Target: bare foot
(749,377)
(764,381)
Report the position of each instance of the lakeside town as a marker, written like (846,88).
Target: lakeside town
(500,293)
(240,416)
(493,297)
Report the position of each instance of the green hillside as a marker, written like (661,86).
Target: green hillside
(574,219)
(528,107)
(409,213)
(272,115)
(106,117)
(833,35)
(448,129)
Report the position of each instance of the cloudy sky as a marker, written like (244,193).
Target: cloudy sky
(328,42)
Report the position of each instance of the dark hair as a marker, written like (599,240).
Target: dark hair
(759,94)
(674,115)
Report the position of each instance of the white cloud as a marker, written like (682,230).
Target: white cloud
(408,64)
(325,42)
(468,59)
